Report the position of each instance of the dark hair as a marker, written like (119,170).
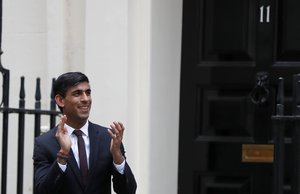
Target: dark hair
(66,80)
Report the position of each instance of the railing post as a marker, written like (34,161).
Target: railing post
(296,137)
(21,139)
(37,116)
(278,134)
(4,103)
(52,106)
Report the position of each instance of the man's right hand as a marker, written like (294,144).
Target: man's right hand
(62,135)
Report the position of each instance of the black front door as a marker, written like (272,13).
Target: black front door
(233,52)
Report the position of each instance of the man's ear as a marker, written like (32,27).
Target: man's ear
(59,100)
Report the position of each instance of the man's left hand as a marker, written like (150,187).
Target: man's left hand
(116,133)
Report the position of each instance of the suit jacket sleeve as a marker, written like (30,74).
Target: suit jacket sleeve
(48,175)
(124,182)
(100,141)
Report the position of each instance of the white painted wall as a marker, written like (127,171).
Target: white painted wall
(131,52)
(164,94)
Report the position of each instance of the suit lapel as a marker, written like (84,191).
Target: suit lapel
(74,167)
(94,135)
(98,142)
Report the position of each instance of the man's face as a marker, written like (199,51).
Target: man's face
(77,103)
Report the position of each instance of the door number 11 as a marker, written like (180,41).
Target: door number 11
(267,19)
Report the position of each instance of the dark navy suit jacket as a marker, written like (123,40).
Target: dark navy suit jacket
(50,179)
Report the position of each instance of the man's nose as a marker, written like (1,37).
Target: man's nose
(84,97)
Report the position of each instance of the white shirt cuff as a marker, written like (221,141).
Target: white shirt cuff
(120,167)
(63,167)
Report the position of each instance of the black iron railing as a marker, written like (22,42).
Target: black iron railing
(280,122)
(22,112)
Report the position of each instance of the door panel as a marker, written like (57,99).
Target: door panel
(226,31)
(216,104)
(289,31)
(228,47)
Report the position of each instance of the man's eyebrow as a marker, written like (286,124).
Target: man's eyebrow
(79,90)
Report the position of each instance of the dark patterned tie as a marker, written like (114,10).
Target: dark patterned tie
(82,156)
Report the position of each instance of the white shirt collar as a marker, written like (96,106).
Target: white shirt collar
(84,129)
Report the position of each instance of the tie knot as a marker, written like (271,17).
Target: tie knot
(77,133)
